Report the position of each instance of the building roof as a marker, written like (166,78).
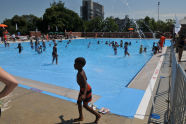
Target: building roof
(183,21)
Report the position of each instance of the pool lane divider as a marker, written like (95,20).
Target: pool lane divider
(142,108)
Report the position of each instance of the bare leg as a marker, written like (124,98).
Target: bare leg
(98,116)
(180,54)
(56,59)
(80,112)
(53,59)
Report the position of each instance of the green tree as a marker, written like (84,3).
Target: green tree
(147,24)
(150,25)
(110,25)
(94,25)
(63,18)
(25,23)
(99,25)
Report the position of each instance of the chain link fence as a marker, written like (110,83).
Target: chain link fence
(177,92)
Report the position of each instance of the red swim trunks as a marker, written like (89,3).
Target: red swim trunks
(88,97)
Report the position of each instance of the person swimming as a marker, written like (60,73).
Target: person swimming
(31,44)
(115,50)
(121,43)
(89,44)
(43,45)
(54,54)
(20,47)
(126,49)
(145,49)
(141,49)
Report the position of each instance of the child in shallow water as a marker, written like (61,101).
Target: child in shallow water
(141,49)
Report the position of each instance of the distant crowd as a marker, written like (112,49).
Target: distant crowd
(40,46)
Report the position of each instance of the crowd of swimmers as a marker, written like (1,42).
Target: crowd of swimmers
(40,46)
(156,48)
(115,45)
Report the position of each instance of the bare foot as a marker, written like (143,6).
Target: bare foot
(78,119)
(97,118)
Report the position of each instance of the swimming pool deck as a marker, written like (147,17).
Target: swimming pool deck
(28,106)
(160,105)
(142,79)
(66,92)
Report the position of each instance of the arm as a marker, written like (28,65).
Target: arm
(9,81)
(84,85)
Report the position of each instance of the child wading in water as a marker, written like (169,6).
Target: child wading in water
(85,94)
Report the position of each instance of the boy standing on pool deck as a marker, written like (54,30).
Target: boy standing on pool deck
(85,94)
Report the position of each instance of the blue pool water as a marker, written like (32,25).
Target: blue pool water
(108,74)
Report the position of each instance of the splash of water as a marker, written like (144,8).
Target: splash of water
(140,32)
(153,34)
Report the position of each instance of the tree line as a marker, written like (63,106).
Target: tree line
(58,18)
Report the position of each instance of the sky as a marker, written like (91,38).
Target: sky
(136,9)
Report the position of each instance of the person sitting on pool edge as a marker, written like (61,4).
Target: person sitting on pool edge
(85,94)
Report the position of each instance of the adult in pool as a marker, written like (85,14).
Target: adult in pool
(54,54)
(20,47)
(126,49)
(89,44)
(141,49)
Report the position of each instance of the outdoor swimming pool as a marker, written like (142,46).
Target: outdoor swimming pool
(108,74)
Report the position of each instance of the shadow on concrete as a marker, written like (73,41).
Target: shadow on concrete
(71,121)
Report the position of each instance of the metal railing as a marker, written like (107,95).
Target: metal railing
(177,92)
(160,108)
